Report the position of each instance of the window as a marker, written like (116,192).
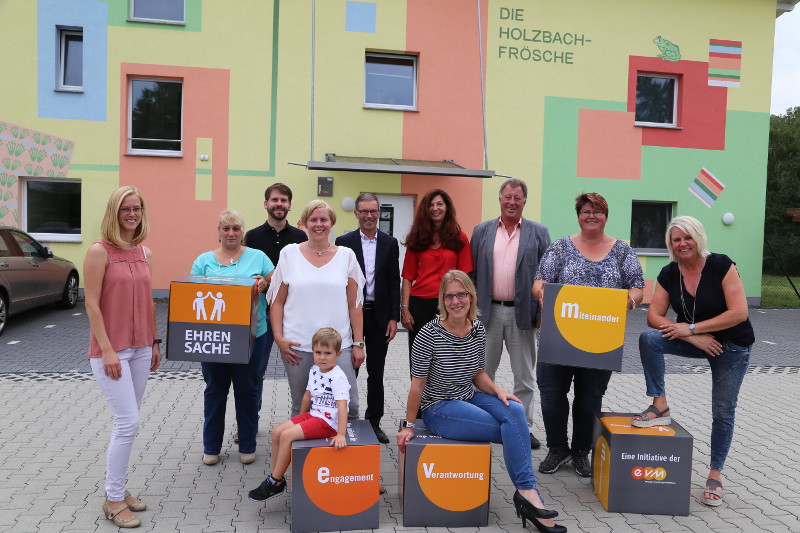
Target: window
(390,81)
(649,225)
(29,247)
(70,69)
(155,120)
(656,100)
(52,209)
(162,11)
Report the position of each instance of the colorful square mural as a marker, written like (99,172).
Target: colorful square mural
(706,187)
(724,63)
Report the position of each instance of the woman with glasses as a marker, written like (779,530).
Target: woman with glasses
(435,245)
(447,366)
(234,259)
(124,347)
(594,259)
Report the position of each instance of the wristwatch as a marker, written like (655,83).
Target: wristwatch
(156,341)
(360,344)
(691,328)
(407,424)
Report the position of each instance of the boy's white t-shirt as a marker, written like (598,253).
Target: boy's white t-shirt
(325,389)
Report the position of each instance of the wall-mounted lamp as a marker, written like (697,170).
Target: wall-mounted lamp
(348,204)
(727,219)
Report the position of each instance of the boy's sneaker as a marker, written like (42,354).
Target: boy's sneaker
(555,458)
(268,489)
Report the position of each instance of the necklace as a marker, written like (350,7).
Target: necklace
(683,303)
(231,258)
(319,254)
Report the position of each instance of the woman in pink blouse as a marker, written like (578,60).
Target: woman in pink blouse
(124,347)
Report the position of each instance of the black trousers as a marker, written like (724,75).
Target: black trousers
(422,310)
(375,339)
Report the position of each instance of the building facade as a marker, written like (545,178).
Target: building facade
(662,108)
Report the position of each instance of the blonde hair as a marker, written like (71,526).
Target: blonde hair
(328,338)
(463,279)
(232,218)
(109,228)
(691,227)
(312,206)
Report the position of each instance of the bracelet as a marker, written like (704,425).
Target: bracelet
(401,305)
(633,302)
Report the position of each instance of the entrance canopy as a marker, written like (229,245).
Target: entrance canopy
(389,165)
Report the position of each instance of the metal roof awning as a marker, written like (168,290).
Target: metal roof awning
(389,165)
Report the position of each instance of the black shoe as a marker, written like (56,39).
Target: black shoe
(382,438)
(535,444)
(527,511)
(555,458)
(268,489)
(583,465)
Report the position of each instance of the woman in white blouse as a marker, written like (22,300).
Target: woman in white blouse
(316,285)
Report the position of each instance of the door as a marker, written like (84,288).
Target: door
(15,273)
(401,210)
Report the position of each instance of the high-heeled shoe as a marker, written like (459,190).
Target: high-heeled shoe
(523,504)
(527,511)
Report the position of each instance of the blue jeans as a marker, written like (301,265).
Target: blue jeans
(554,382)
(248,384)
(727,372)
(485,418)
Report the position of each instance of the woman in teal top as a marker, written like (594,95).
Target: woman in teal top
(233,259)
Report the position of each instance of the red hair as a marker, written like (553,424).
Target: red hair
(421,235)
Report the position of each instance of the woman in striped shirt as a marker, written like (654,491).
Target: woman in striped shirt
(447,365)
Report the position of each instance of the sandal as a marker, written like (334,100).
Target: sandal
(111,514)
(713,487)
(646,422)
(137,505)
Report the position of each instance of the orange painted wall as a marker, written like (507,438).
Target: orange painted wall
(181,226)
(449,122)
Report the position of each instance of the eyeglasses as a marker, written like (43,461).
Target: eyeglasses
(364,212)
(463,295)
(585,213)
(128,210)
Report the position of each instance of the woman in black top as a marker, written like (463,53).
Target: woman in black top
(705,291)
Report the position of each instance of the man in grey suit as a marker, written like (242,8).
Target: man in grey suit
(505,256)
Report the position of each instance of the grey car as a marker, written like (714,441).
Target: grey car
(30,275)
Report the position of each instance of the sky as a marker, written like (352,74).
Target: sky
(786,63)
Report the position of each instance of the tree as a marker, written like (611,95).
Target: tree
(783,192)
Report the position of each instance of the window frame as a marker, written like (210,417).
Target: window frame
(656,252)
(415,63)
(63,31)
(46,237)
(133,18)
(144,151)
(676,94)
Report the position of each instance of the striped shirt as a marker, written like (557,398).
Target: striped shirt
(448,362)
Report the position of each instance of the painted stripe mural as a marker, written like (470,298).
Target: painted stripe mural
(724,63)
(706,187)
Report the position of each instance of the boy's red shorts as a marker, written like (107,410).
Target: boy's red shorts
(313,427)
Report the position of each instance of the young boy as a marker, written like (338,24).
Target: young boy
(323,412)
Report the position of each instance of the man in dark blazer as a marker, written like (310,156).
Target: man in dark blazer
(378,254)
(505,255)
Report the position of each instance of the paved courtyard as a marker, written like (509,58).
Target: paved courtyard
(56,425)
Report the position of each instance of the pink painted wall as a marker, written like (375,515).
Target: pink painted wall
(181,226)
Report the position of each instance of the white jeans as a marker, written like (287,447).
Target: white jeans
(124,396)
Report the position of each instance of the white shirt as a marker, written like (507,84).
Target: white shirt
(325,389)
(317,297)
(368,248)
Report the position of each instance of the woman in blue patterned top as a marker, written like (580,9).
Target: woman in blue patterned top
(594,259)
(447,366)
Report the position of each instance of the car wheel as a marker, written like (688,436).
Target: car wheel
(70,296)
(3,312)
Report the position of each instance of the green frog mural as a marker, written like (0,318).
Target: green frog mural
(669,50)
